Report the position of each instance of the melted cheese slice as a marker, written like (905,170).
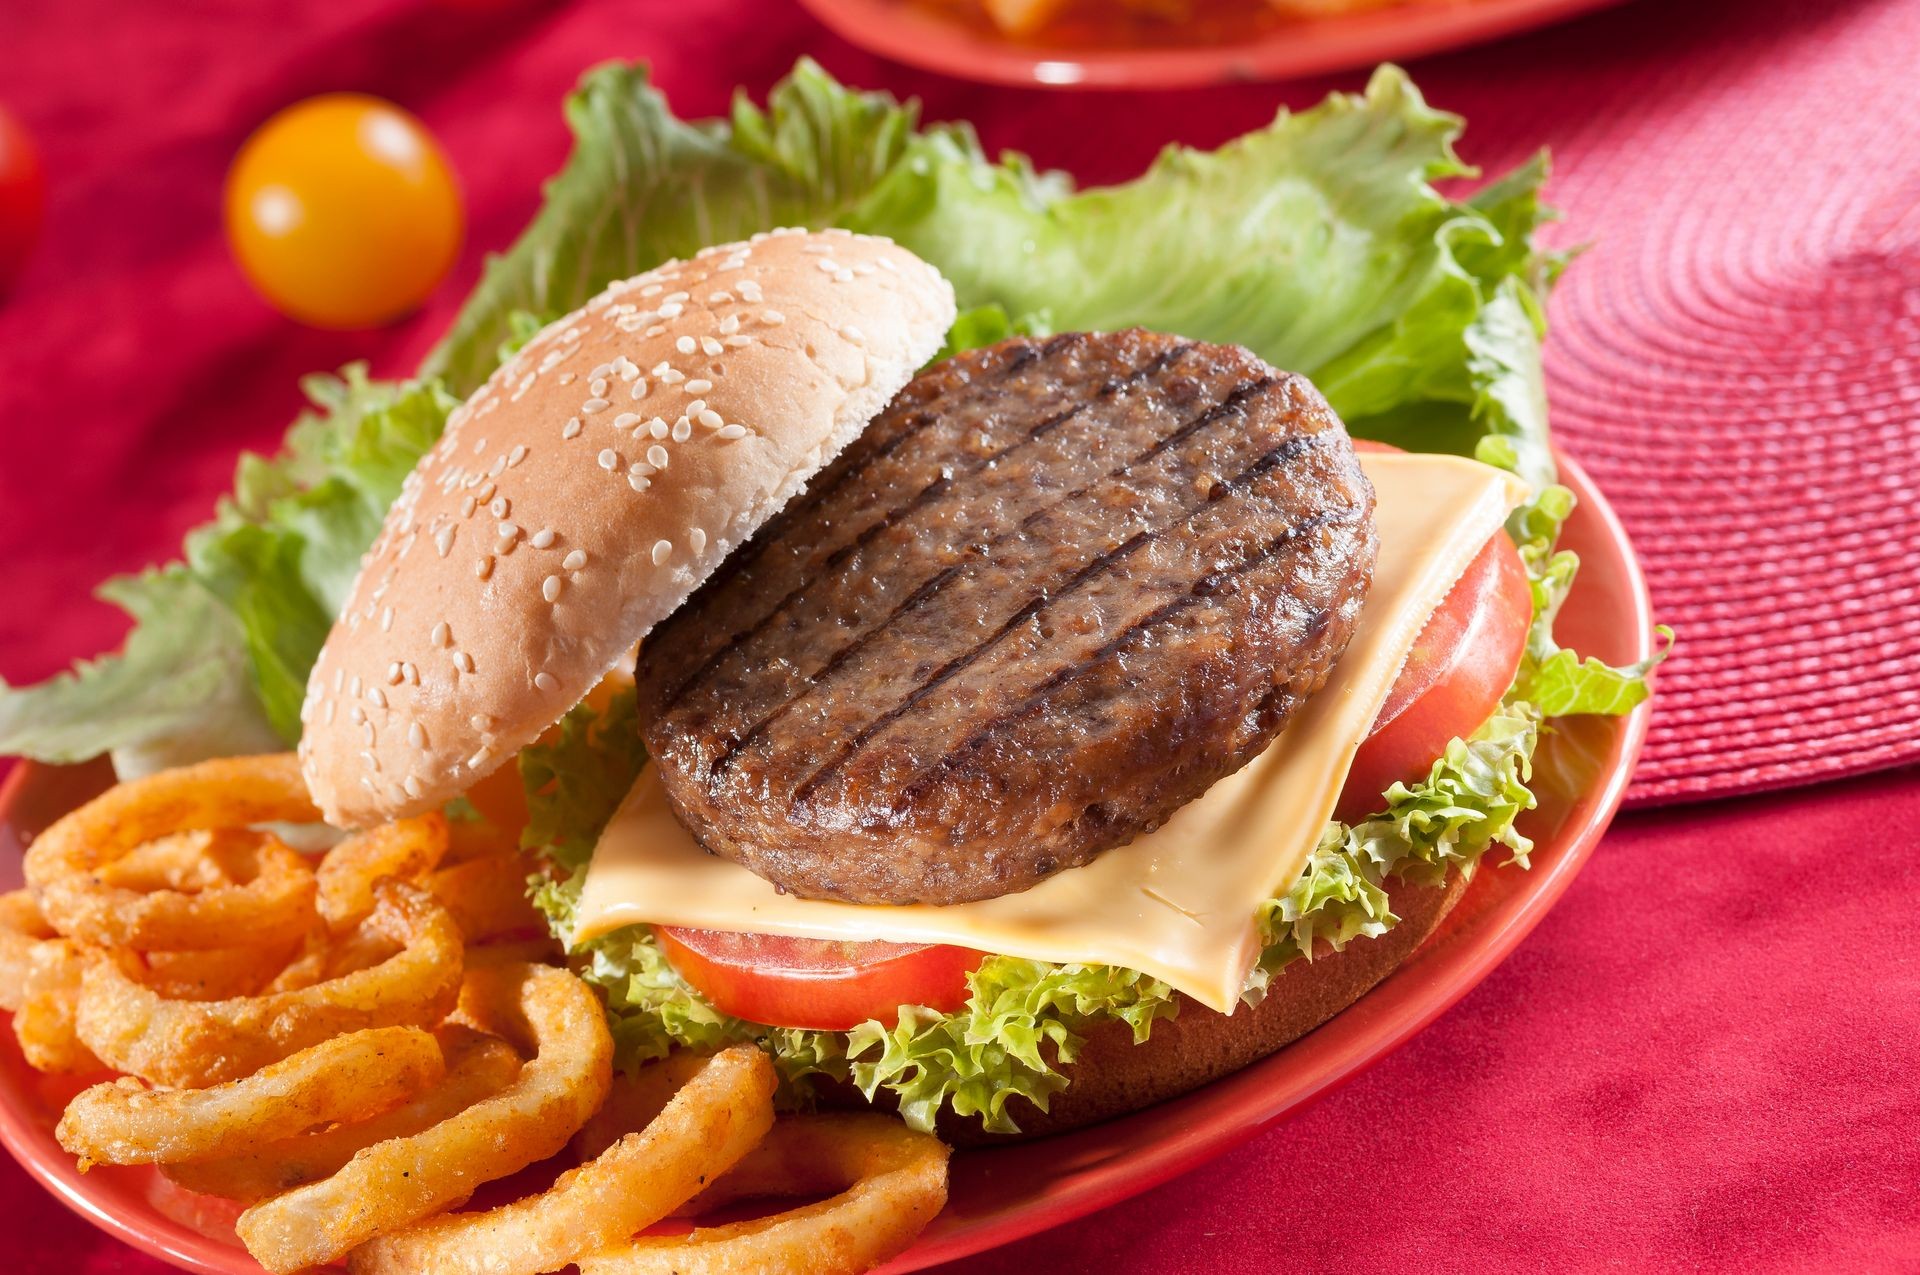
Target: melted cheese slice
(1177,903)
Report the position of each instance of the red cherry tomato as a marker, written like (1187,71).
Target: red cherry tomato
(343,211)
(832,986)
(23,198)
(1460,666)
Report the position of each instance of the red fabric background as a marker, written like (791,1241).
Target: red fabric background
(1704,1059)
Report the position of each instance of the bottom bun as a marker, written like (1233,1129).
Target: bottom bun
(1111,1076)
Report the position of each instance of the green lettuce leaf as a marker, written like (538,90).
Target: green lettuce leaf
(217,661)
(986,325)
(171,695)
(643,186)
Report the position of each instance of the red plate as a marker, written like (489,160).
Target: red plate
(951,44)
(1006,1193)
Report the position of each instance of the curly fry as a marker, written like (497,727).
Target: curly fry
(124,1122)
(406,848)
(477,1066)
(198,1043)
(895,1180)
(402,1180)
(488,896)
(715,1119)
(69,864)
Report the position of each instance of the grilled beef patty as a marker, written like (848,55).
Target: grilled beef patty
(1056,590)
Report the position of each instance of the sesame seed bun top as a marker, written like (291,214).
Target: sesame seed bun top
(587,489)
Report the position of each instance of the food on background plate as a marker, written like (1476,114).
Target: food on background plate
(1043,705)
(1104,21)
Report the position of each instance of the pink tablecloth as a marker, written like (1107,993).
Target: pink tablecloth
(1705,1058)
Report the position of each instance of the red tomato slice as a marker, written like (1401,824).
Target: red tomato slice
(1453,679)
(819,983)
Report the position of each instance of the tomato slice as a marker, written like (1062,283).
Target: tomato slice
(1460,666)
(818,983)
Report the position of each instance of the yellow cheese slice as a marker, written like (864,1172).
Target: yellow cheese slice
(1177,903)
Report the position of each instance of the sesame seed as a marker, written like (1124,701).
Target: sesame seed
(463,661)
(711,419)
(672,310)
(658,427)
(672,376)
(328,718)
(628,369)
(485,493)
(739,339)
(483,568)
(654,330)
(358,716)
(609,459)
(843,275)
(730,324)
(567,378)
(545,680)
(685,345)
(367,733)
(574,561)
(412,786)
(442,634)
(597,386)
(657,456)
(518,454)
(376,697)
(393,673)
(772,317)
(443,539)
(500,507)
(662,368)
(816,247)
(386,620)
(827,265)
(417,735)
(467,506)
(886,264)
(372,762)
(652,290)
(410,671)
(627,420)
(639,390)
(353,687)
(638,482)
(593,405)
(499,464)
(508,530)
(479,721)
(550,588)
(851,333)
(697,540)
(732,432)
(709,346)
(571,429)
(662,550)
(541,538)
(681,430)
(480,758)
(699,385)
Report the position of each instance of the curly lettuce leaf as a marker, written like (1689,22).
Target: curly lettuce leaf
(170,696)
(217,661)
(986,325)
(643,186)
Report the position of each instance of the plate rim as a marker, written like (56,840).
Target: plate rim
(929,42)
(157,1234)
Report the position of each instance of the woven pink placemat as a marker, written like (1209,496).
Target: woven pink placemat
(1737,360)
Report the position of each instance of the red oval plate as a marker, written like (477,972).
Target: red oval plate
(1004,1193)
(952,45)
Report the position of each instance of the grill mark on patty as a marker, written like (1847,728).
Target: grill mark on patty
(811,501)
(1038,699)
(845,553)
(1286,452)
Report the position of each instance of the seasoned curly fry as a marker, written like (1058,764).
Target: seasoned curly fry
(635,1099)
(69,863)
(406,848)
(488,896)
(21,927)
(44,1021)
(124,1122)
(402,1180)
(895,1180)
(477,1066)
(197,1043)
(716,1118)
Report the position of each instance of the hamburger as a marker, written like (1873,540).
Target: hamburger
(1013,736)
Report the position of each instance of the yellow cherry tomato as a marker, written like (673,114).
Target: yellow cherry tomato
(343,211)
